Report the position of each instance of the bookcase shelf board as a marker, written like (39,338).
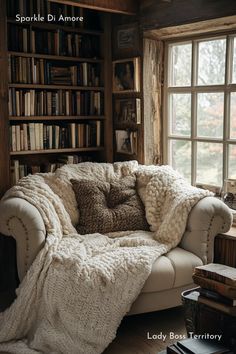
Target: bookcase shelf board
(55,151)
(48,118)
(56,87)
(55,57)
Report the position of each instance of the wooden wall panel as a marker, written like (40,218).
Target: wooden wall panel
(164,13)
(118,6)
(4,128)
(108,128)
(152,96)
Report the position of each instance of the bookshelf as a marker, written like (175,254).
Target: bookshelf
(55,95)
(128,116)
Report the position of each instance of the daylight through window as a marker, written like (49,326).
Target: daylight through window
(200,109)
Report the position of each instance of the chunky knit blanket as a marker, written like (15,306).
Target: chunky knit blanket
(78,289)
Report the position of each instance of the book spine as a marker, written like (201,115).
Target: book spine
(214,285)
(98,133)
(25,135)
(212,295)
(217,305)
(32,135)
(214,275)
(18,139)
(16,171)
(13,138)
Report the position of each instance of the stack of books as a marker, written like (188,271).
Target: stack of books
(217,287)
(197,346)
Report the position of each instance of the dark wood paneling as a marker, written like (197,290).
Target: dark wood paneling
(225,248)
(108,128)
(4,129)
(119,6)
(164,13)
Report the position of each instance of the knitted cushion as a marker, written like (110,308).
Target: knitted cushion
(105,207)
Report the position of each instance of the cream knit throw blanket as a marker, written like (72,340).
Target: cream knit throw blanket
(79,287)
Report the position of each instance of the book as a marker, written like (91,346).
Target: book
(32,135)
(18,139)
(218,272)
(221,288)
(174,349)
(16,171)
(37,136)
(202,346)
(230,310)
(213,295)
(13,138)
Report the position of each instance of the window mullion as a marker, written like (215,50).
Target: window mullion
(228,80)
(194,111)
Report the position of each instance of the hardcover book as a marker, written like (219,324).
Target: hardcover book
(221,288)
(213,295)
(231,310)
(218,272)
(201,346)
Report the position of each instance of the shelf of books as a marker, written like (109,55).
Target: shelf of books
(56,85)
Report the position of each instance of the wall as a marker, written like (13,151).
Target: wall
(163,13)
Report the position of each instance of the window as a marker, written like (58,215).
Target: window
(200,109)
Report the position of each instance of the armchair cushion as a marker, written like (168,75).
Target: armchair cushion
(106,207)
(172,270)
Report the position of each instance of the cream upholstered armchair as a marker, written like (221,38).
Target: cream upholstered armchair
(171,273)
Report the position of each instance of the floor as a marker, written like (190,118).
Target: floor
(140,334)
(135,332)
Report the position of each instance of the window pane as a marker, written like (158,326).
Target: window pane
(180,65)
(211,62)
(210,108)
(209,163)
(234,63)
(233,115)
(232,161)
(180,114)
(180,157)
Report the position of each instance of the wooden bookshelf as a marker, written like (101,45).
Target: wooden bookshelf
(56,87)
(53,118)
(55,151)
(55,27)
(102,62)
(55,57)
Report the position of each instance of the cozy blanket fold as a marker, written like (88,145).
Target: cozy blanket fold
(78,289)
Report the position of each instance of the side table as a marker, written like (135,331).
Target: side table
(201,319)
(8,271)
(225,248)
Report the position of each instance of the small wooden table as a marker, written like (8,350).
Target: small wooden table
(225,248)
(201,319)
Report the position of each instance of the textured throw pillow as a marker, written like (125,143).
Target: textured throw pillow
(105,207)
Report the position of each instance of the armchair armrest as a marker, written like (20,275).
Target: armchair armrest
(208,217)
(21,220)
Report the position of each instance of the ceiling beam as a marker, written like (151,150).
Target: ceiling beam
(128,7)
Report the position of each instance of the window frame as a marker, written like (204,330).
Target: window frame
(194,89)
